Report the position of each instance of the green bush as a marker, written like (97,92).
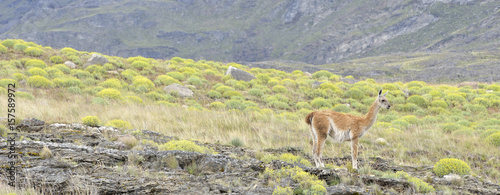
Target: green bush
(19,76)
(139,64)
(282,191)
(56,59)
(341,108)
(81,74)
(420,186)
(165,80)
(304,179)
(300,105)
(20,47)
(409,107)
(475,108)
(292,159)
(8,43)
(37,71)
(69,51)
(237,142)
(92,121)
(439,103)
(217,105)
(33,51)
(111,83)
(255,92)
(3,49)
(449,127)
(96,69)
(54,72)
(133,99)
(39,81)
(72,82)
(176,75)
(184,145)
(387,118)
(24,95)
(489,132)
(214,94)
(322,73)
(320,102)
(142,84)
(35,63)
(354,94)
(451,165)
(234,104)
(280,89)
(455,98)
(411,119)
(65,69)
(494,139)
(129,74)
(418,100)
(279,105)
(194,80)
(5,82)
(400,124)
(75,90)
(389,87)
(110,93)
(229,94)
(328,86)
(120,124)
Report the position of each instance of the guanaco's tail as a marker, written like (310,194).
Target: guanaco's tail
(309,118)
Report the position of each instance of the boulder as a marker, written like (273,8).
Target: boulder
(70,64)
(96,59)
(238,74)
(181,90)
(381,141)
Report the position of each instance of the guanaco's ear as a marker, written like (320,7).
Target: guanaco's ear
(380,92)
(386,93)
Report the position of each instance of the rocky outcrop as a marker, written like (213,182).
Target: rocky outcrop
(182,91)
(238,74)
(30,125)
(96,59)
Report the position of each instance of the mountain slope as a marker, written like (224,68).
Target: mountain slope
(311,31)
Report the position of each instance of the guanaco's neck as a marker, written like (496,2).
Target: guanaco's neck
(371,116)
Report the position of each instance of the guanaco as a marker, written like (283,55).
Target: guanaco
(342,127)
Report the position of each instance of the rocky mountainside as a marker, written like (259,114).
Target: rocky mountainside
(311,31)
(90,160)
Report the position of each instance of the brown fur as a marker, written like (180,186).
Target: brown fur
(342,127)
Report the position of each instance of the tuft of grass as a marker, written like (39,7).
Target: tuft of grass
(237,142)
(92,121)
(45,153)
(128,140)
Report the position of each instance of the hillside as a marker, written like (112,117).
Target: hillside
(113,127)
(310,31)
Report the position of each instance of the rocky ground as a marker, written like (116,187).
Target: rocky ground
(89,160)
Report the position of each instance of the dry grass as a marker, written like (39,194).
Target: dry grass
(8,190)
(423,144)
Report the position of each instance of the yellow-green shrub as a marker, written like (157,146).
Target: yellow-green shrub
(19,76)
(69,51)
(92,121)
(282,191)
(185,145)
(110,93)
(129,74)
(56,59)
(37,71)
(439,103)
(20,47)
(81,74)
(280,89)
(290,158)
(418,100)
(341,108)
(494,139)
(120,124)
(3,49)
(96,69)
(165,80)
(451,165)
(142,84)
(5,82)
(217,105)
(54,72)
(322,73)
(33,51)
(304,179)
(229,94)
(354,94)
(214,94)
(320,102)
(139,64)
(133,99)
(35,63)
(255,92)
(420,185)
(65,69)
(8,43)
(39,81)
(111,83)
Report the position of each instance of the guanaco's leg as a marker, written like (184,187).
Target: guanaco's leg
(354,152)
(321,142)
(314,145)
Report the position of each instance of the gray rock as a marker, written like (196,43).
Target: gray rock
(113,72)
(381,141)
(96,59)
(239,74)
(70,64)
(30,125)
(181,90)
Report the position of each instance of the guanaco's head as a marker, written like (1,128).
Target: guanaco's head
(382,100)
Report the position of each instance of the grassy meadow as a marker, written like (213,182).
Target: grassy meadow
(427,122)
